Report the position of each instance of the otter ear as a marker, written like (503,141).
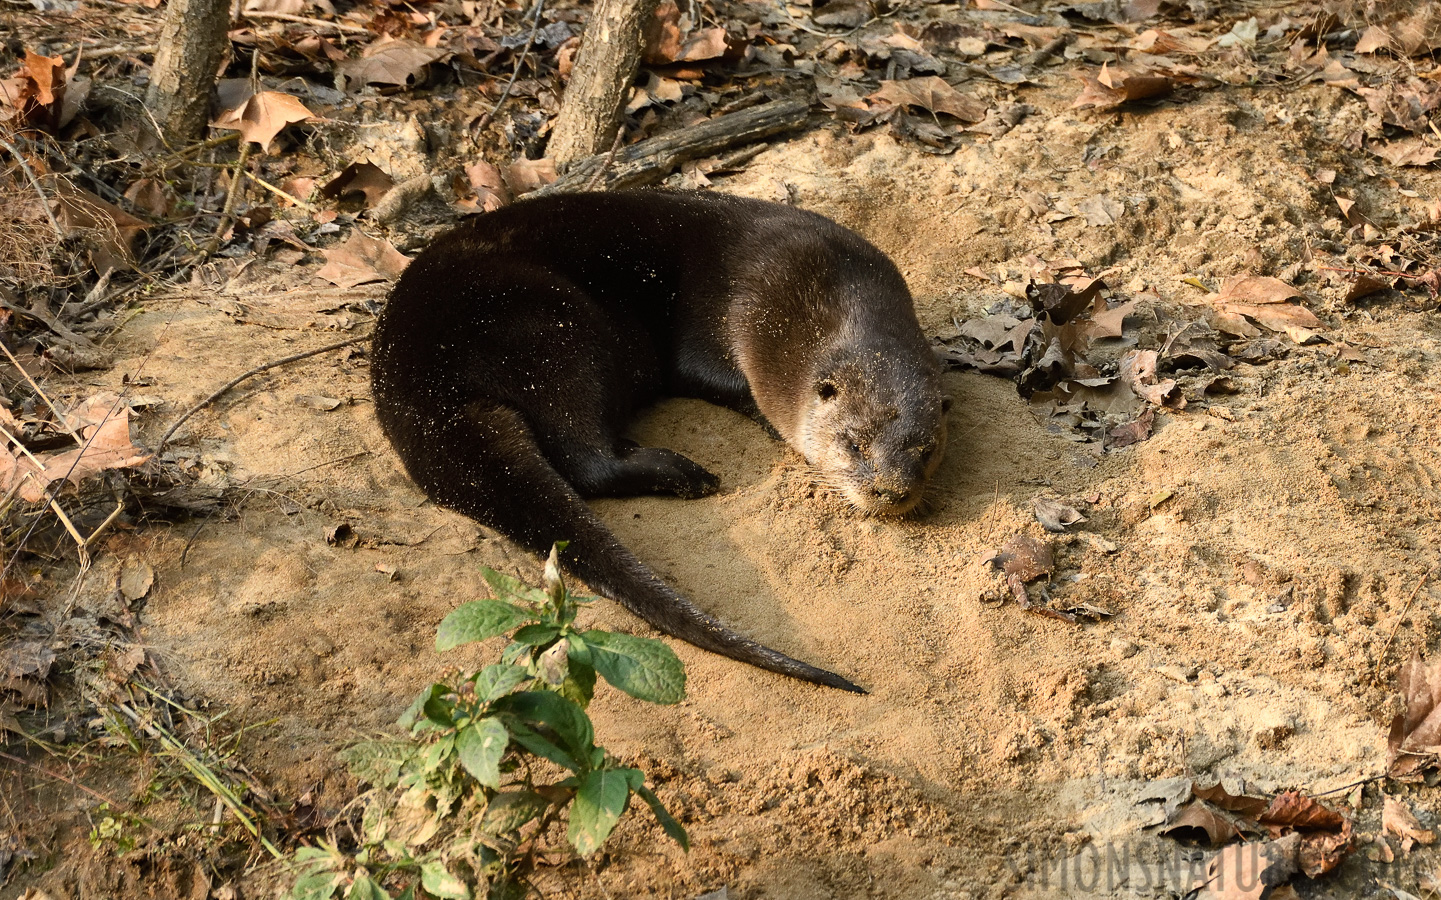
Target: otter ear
(826,389)
(945,403)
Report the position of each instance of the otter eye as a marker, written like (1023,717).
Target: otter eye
(826,390)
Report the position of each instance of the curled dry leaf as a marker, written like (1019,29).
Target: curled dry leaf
(1110,88)
(1054,515)
(1293,809)
(1263,300)
(362,259)
(1237,803)
(1025,557)
(526,175)
(487,187)
(263,116)
(1197,817)
(1132,432)
(1415,740)
(1255,289)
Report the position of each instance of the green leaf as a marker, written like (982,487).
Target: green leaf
(407,894)
(597,807)
(510,810)
(437,880)
(439,710)
(316,886)
(579,683)
(413,713)
(495,681)
(541,745)
(667,821)
(478,620)
(505,587)
(563,717)
(645,668)
(364,888)
(535,635)
(481,745)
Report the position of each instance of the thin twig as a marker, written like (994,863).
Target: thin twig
(306,20)
(227,215)
(609,160)
(35,183)
(515,73)
(1380,657)
(244,375)
(280,193)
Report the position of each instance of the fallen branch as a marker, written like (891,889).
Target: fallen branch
(244,375)
(648,161)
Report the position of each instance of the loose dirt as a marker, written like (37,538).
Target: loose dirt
(1261,556)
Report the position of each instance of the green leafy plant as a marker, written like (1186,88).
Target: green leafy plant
(495,757)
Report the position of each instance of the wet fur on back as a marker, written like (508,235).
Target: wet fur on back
(515,350)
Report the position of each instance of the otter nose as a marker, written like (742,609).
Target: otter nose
(890,495)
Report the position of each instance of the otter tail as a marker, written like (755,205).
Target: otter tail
(480,459)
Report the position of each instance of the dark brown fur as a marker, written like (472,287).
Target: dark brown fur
(515,350)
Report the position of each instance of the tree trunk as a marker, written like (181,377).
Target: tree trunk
(604,69)
(193,42)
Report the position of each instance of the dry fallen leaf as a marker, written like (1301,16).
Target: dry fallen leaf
(398,63)
(1110,88)
(362,259)
(1238,803)
(136,579)
(359,182)
(1293,809)
(1255,289)
(113,230)
(1397,819)
(1415,739)
(1054,515)
(317,402)
(932,94)
(1364,286)
(1249,871)
(526,175)
(1406,153)
(263,116)
(1107,323)
(104,425)
(1197,817)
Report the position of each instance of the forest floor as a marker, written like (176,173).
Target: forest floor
(1263,562)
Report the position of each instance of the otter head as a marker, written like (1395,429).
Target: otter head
(874,428)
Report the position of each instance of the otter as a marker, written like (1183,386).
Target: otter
(515,349)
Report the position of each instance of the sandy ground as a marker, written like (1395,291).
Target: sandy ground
(1261,607)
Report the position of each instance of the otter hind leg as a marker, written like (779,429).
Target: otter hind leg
(640,470)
